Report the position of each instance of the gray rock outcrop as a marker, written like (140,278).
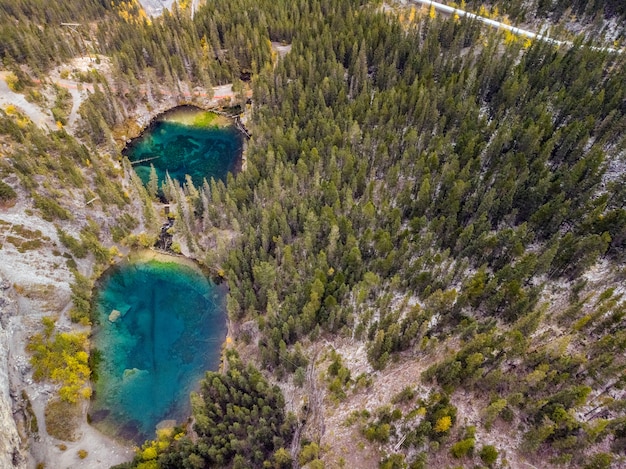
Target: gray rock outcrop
(155,7)
(11,455)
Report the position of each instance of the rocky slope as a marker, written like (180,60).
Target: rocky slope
(11,447)
(36,283)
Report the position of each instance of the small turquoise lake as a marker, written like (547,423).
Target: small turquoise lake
(160,324)
(187,140)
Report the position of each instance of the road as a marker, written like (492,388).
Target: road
(507,27)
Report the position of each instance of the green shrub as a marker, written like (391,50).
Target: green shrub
(7,194)
(379,433)
(406,395)
(488,454)
(50,209)
(309,453)
(126,223)
(599,461)
(463,448)
(92,244)
(14,83)
(59,115)
(395,461)
(77,248)
(81,297)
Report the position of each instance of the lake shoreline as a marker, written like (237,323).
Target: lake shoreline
(187,141)
(151,286)
(133,127)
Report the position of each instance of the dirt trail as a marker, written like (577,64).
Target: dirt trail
(79,93)
(32,111)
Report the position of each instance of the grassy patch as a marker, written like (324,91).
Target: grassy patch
(62,420)
(205,119)
(25,233)
(35,291)
(24,245)
(50,209)
(75,246)
(24,239)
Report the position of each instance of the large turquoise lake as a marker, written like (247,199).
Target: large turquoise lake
(159,325)
(187,140)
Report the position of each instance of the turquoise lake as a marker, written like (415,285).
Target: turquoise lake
(159,326)
(187,140)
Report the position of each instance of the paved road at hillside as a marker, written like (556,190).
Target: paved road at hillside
(507,27)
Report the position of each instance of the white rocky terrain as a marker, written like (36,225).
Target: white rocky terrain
(34,284)
(11,448)
(155,7)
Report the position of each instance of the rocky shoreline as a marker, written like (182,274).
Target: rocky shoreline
(25,441)
(35,284)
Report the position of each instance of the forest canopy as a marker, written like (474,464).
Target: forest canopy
(423,187)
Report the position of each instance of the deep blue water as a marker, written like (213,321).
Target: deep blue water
(170,329)
(189,141)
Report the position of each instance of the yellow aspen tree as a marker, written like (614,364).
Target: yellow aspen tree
(443,424)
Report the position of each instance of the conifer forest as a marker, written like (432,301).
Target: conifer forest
(425,249)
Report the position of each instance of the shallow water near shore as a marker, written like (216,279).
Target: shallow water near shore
(187,140)
(160,325)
